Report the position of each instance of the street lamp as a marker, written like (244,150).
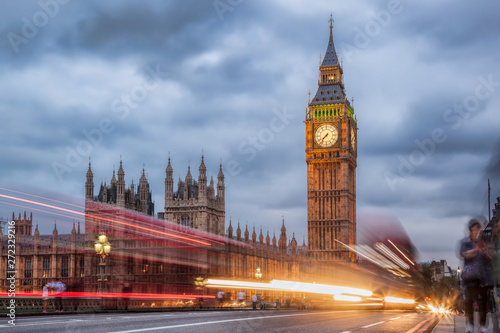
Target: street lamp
(258,273)
(102,248)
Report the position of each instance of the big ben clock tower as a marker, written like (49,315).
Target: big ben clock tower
(331,134)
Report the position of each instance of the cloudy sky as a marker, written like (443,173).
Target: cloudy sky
(146,79)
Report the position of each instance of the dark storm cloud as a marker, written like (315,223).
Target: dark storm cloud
(126,30)
(461,30)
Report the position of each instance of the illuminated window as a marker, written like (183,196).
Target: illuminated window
(46,267)
(82,267)
(145,267)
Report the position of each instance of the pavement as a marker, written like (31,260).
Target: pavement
(457,324)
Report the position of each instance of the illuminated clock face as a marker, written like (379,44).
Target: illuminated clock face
(353,140)
(326,135)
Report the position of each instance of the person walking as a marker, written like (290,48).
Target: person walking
(254,302)
(241,298)
(45,296)
(220,298)
(495,260)
(475,276)
(58,288)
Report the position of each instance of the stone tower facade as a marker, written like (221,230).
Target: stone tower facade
(194,204)
(331,133)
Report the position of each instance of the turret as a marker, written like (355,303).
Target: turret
(282,241)
(211,189)
(220,186)
(247,240)
(254,237)
(293,244)
(261,238)
(143,193)
(73,238)
(105,193)
(202,180)
(113,179)
(238,232)
(89,184)
(187,182)
(131,198)
(120,187)
(54,238)
(268,242)
(230,230)
(169,185)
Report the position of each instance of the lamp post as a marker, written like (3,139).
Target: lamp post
(458,276)
(258,273)
(102,248)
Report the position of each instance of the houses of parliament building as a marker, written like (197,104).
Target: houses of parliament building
(189,237)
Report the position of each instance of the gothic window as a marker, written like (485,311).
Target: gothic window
(65,266)
(185,221)
(27,268)
(145,267)
(82,267)
(46,267)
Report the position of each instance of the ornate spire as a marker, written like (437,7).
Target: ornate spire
(330,59)
(246,233)
(121,173)
(230,229)
(330,84)
(238,231)
(90,175)
(169,170)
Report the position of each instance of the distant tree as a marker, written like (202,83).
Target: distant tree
(428,280)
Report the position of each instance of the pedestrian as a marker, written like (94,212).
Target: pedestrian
(58,288)
(277,303)
(220,298)
(495,254)
(475,274)
(45,296)
(254,302)
(241,298)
